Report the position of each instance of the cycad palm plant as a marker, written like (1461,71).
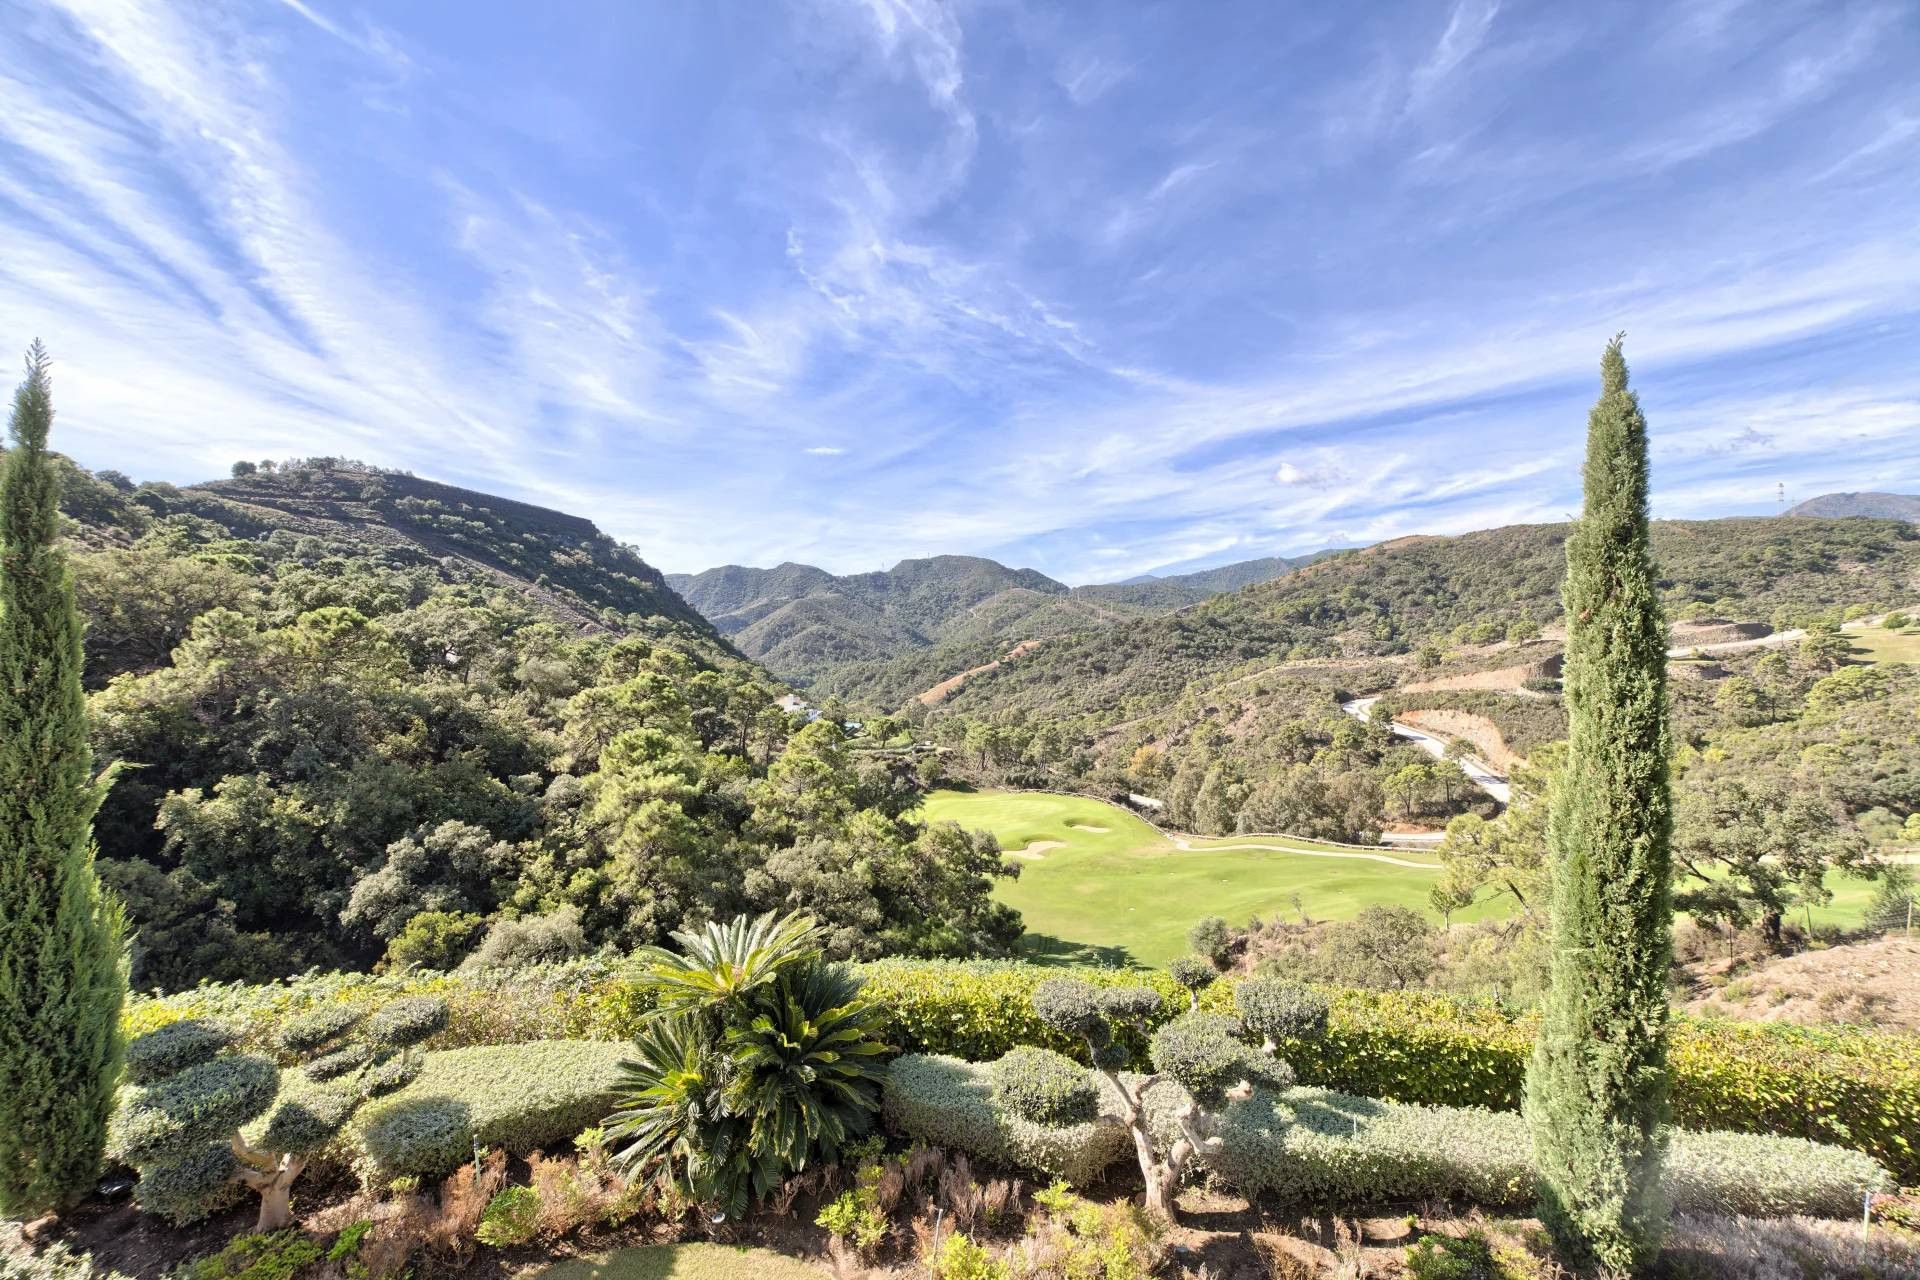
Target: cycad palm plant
(759,1057)
(722,962)
(807,1066)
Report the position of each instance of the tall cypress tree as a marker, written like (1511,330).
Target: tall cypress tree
(1596,1096)
(62,938)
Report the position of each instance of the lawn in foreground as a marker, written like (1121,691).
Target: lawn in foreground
(698,1261)
(1123,894)
(1126,895)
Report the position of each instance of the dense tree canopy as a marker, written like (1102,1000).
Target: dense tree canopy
(329,734)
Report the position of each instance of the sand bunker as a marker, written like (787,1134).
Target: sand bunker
(1036,849)
(1088,826)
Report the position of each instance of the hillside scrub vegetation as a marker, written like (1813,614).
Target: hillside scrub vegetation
(415,703)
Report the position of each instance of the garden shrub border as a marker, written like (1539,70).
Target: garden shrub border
(1324,1147)
(1856,1088)
(946,1102)
(1307,1145)
(526,1097)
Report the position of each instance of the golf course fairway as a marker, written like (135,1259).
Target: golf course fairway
(1103,887)
(1099,886)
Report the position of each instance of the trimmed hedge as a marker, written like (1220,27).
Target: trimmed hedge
(579,1000)
(1324,1147)
(1854,1087)
(522,1097)
(1847,1086)
(946,1102)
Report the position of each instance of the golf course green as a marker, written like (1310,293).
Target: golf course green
(1099,886)
(1112,890)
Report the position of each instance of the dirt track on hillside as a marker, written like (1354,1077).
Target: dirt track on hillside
(939,693)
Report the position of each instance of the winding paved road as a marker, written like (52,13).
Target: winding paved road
(1482,774)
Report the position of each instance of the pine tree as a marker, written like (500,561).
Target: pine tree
(1596,1096)
(62,938)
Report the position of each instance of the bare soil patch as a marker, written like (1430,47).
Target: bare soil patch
(1501,679)
(1716,631)
(1876,982)
(939,693)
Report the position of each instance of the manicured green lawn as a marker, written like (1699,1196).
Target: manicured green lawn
(1877,644)
(1126,896)
(681,1262)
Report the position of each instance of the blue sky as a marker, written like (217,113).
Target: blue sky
(1097,288)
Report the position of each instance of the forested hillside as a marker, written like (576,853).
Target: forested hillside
(883,637)
(1229,710)
(357,716)
(1392,598)
(805,624)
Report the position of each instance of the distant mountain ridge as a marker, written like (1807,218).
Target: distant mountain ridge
(1880,506)
(1174,590)
(1392,598)
(802,622)
(805,624)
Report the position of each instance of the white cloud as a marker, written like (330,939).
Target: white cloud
(1466,30)
(921,286)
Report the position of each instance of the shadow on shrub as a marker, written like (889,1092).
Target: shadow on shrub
(419,1136)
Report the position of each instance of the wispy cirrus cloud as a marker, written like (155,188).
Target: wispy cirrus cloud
(898,277)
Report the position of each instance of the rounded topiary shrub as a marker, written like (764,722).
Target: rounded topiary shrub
(191,1186)
(1192,972)
(340,1062)
(200,1104)
(318,1029)
(1044,1087)
(308,1122)
(1202,1053)
(1073,1007)
(1278,1011)
(174,1048)
(1131,1004)
(387,1076)
(408,1022)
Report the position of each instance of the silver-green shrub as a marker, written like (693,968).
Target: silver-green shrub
(1318,1146)
(1204,1052)
(1044,1087)
(183,1123)
(517,1097)
(945,1102)
(1195,973)
(315,1030)
(407,1022)
(1280,1011)
(205,1101)
(174,1047)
